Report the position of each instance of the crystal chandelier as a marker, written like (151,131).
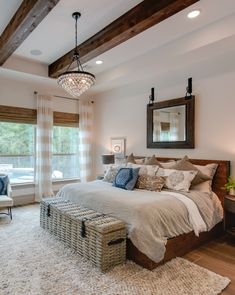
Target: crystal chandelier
(76,82)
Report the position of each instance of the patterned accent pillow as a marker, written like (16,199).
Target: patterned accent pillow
(126,178)
(151,183)
(176,179)
(4,180)
(111,173)
(185,165)
(145,169)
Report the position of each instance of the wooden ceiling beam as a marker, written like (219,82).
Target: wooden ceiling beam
(24,21)
(136,20)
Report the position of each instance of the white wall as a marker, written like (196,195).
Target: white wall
(122,113)
(19,92)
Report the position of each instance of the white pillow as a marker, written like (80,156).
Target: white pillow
(176,179)
(139,161)
(168,165)
(208,170)
(202,187)
(150,170)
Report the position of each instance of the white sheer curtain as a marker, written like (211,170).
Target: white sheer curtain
(43,187)
(156,126)
(86,118)
(174,126)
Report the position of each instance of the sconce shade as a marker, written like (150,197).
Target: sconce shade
(107,159)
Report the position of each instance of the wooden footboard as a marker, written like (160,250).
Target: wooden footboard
(175,247)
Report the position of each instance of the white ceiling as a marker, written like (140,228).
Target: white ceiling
(166,32)
(207,51)
(54,36)
(7,10)
(159,51)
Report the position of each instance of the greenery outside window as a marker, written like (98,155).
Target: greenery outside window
(17,145)
(65,160)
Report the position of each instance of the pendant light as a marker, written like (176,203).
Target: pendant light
(76,82)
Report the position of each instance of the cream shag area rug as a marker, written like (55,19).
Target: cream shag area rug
(33,262)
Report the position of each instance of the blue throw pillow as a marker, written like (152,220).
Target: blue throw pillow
(126,178)
(4,180)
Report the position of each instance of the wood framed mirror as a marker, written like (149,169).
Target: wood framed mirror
(171,123)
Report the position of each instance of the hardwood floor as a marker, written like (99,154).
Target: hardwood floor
(217,256)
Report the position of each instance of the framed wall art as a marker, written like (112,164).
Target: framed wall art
(118,147)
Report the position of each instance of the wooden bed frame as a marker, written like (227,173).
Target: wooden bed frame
(185,243)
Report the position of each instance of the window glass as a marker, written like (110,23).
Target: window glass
(17,143)
(17,146)
(65,161)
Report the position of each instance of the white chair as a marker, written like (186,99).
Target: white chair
(6,201)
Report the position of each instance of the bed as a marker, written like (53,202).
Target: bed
(147,245)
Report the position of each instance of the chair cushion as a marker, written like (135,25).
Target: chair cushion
(4,180)
(5,201)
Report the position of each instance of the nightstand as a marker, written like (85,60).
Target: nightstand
(229,215)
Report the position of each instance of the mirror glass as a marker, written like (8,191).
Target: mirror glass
(169,124)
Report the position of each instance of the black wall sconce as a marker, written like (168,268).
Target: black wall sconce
(189,89)
(151,97)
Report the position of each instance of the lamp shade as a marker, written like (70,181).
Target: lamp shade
(107,159)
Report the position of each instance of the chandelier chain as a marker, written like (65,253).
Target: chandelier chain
(76,53)
(76,34)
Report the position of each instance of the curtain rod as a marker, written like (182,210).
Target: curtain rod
(69,98)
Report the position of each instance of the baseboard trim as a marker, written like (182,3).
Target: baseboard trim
(23,200)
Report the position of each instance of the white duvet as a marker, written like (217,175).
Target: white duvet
(151,217)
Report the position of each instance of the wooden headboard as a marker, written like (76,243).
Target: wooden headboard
(221,175)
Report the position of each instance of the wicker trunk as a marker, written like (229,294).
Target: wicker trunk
(98,237)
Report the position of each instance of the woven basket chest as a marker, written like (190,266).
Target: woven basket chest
(97,237)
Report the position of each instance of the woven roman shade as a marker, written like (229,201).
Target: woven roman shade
(18,115)
(29,116)
(65,119)
(165,126)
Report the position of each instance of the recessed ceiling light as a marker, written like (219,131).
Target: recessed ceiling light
(35,52)
(194,13)
(99,62)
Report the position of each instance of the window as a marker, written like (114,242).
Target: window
(17,144)
(17,141)
(165,131)
(65,161)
